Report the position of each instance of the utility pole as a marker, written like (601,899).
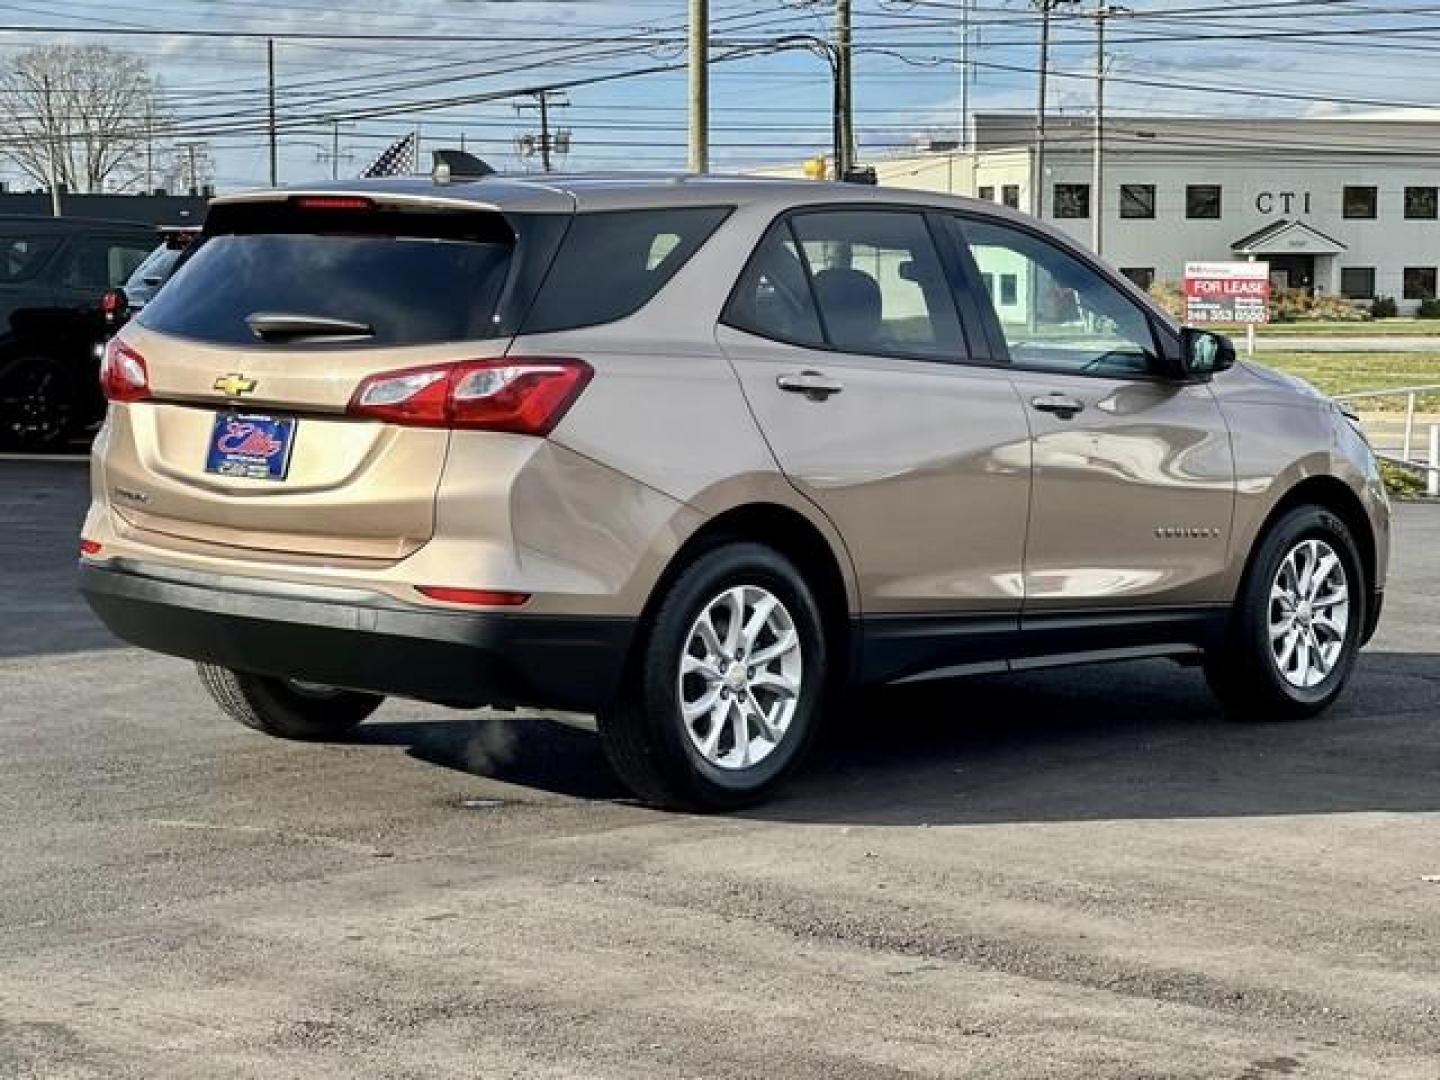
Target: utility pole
(149,146)
(548,143)
(334,156)
(544,130)
(274,139)
(699,161)
(1037,186)
(964,139)
(844,100)
(52,146)
(1097,178)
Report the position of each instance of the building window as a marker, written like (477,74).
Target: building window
(1009,290)
(1137,200)
(1357,282)
(1202,201)
(1010,196)
(1072,200)
(987,193)
(1419,283)
(1143,276)
(1360,202)
(1422,203)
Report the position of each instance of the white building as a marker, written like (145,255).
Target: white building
(1338,206)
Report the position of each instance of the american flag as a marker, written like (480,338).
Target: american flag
(397,159)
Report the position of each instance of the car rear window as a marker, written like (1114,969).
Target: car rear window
(414,278)
(613,262)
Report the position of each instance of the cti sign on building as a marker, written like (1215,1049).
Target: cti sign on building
(1227,292)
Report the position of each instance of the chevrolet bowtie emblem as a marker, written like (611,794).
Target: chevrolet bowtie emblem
(234,385)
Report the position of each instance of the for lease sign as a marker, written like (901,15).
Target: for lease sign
(1227,292)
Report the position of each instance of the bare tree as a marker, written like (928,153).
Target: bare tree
(81,116)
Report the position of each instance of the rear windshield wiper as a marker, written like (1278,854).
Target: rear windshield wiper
(279,326)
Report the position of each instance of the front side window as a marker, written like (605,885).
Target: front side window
(1072,200)
(1058,314)
(1137,201)
(1202,201)
(1419,283)
(1357,282)
(1360,202)
(1422,203)
(878,283)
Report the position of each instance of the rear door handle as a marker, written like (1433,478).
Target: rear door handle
(1062,405)
(812,384)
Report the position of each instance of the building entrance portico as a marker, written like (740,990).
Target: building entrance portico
(1300,256)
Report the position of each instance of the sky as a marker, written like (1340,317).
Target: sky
(1166,57)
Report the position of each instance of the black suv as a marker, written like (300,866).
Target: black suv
(53,272)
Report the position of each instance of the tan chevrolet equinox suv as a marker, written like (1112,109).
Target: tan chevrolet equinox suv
(693,454)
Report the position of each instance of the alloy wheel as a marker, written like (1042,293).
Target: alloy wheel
(1309,613)
(740,677)
(33,408)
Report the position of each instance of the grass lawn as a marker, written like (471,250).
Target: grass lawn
(1337,373)
(1374,328)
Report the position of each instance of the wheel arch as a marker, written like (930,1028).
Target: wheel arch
(1339,498)
(795,536)
(1336,496)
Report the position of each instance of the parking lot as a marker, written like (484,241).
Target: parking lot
(1070,874)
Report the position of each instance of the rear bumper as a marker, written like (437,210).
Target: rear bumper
(362,641)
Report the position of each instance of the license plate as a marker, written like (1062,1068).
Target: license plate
(251,446)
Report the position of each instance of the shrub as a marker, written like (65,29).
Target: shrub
(1384,307)
(1292,305)
(1403,483)
(1169,296)
(1428,309)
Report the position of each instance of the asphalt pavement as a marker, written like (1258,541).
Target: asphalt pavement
(1079,874)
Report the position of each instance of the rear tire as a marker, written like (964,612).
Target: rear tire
(1297,624)
(723,696)
(38,404)
(284,708)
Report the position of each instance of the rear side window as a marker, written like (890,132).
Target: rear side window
(613,262)
(773,298)
(98,263)
(879,282)
(22,256)
(864,281)
(411,278)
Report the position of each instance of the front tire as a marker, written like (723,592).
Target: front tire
(285,708)
(723,697)
(1297,625)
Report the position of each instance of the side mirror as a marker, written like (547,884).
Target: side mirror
(1203,354)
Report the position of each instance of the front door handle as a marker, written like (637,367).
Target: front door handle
(812,384)
(1062,405)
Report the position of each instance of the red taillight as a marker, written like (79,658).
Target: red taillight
(122,373)
(527,396)
(113,301)
(487,597)
(332,202)
(89,547)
